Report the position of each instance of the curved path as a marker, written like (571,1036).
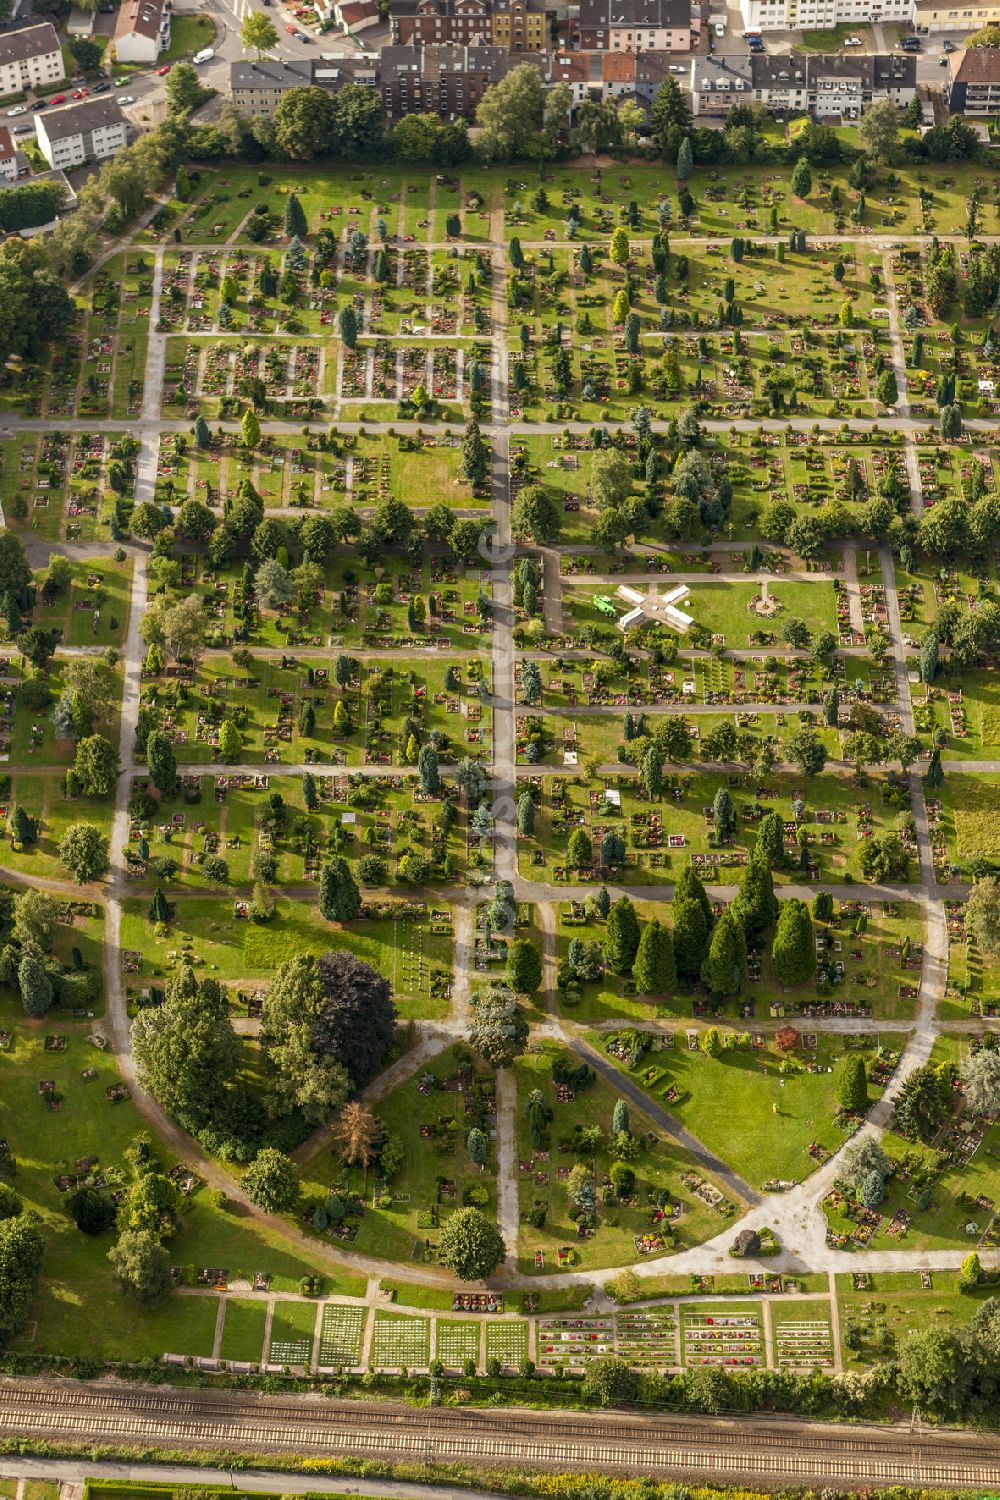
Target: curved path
(795,1216)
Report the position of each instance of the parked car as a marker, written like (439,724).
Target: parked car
(126,98)
(101,88)
(19,109)
(853,41)
(58,99)
(949,46)
(162,72)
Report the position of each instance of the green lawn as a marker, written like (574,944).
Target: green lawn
(189,34)
(542,1180)
(205,932)
(757,1110)
(243,1330)
(436,1172)
(893,1304)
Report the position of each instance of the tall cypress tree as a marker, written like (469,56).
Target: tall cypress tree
(690,936)
(793,951)
(654,969)
(725,967)
(756,904)
(621,941)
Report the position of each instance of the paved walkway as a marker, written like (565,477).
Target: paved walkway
(795,1216)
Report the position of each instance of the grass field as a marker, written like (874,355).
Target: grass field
(243,1330)
(894,1304)
(755,1109)
(620,1225)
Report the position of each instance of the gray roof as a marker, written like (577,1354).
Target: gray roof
(438,60)
(653,67)
(75,119)
(334,72)
(270,74)
(675,14)
(884,70)
(29,41)
(772,70)
(796,70)
(709,74)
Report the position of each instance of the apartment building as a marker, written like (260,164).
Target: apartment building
(637,26)
(514,25)
(257,88)
(76,133)
(932,16)
(30,58)
(447,80)
(142,30)
(974,82)
(807,15)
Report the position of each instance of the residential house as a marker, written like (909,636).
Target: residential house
(142,30)
(8,157)
(637,26)
(76,133)
(30,58)
(580,70)
(355,16)
(843,85)
(448,80)
(932,15)
(804,15)
(519,25)
(974,81)
(717,83)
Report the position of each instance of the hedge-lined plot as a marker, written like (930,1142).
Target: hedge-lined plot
(400,1342)
(722,1335)
(803,1337)
(341,1335)
(507,1342)
(565,1342)
(457,1342)
(291,1333)
(648,1340)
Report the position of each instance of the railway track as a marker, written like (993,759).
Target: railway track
(719,1448)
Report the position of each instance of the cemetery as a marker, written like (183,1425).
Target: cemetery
(572,1213)
(285,725)
(734,1101)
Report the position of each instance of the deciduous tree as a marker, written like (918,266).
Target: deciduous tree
(470,1245)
